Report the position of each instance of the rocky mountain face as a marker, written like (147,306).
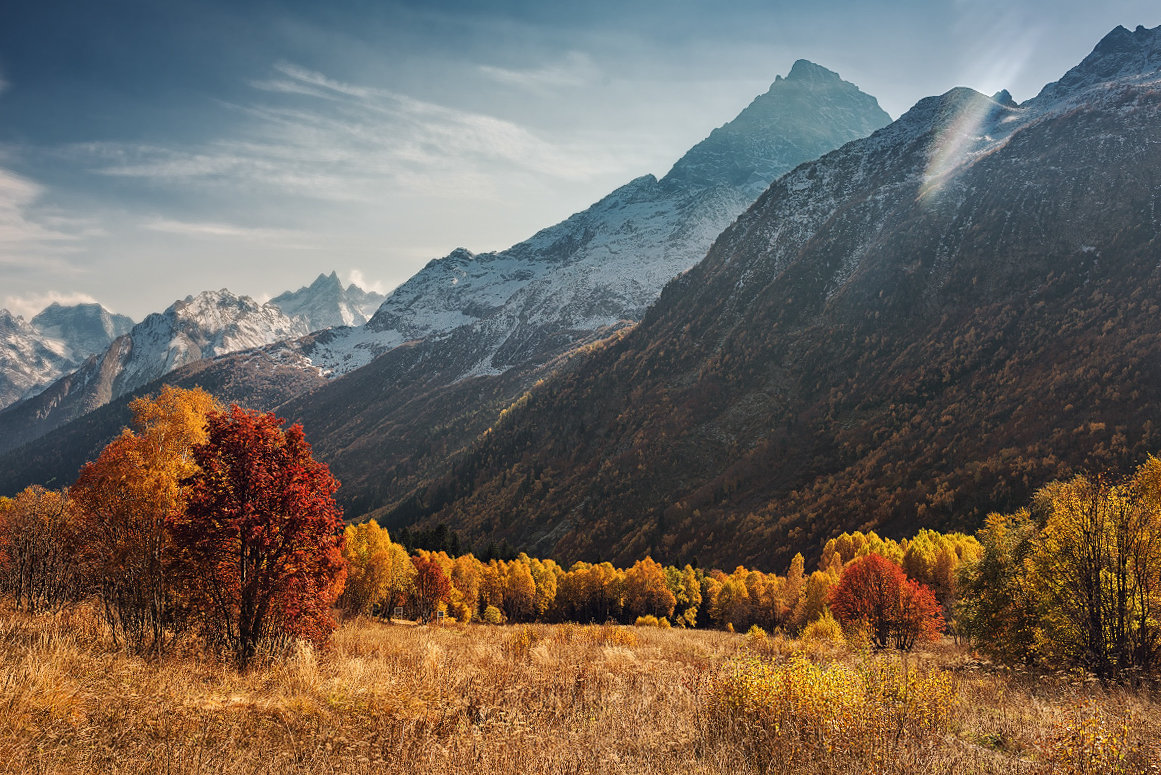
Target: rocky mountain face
(55,341)
(325,303)
(915,329)
(606,265)
(208,325)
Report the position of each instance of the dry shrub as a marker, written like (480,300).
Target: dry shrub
(1087,742)
(830,715)
(520,641)
(610,635)
(825,629)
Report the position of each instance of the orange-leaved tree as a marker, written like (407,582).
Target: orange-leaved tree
(379,571)
(39,545)
(432,586)
(874,593)
(123,499)
(260,542)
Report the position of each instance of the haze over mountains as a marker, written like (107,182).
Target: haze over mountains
(912,328)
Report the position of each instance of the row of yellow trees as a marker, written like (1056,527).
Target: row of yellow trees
(382,576)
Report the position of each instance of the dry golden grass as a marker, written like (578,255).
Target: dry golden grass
(535,699)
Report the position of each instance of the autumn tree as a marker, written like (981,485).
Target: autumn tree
(39,545)
(998,606)
(431,588)
(260,543)
(379,572)
(874,593)
(647,592)
(1098,570)
(123,499)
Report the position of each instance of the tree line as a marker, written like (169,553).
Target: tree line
(218,525)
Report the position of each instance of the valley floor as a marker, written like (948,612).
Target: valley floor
(549,699)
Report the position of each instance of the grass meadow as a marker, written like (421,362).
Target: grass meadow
(387,698)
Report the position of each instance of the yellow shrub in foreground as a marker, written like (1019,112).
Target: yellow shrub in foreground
(1087,742)
(825,629)
(870,713)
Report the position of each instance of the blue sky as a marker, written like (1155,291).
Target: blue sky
(149,150)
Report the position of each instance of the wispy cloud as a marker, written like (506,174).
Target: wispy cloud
(576,69)
(29,305)
(209,230)
(356,277)
(32,236)
(320,138)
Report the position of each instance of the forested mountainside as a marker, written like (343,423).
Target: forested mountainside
(911,331)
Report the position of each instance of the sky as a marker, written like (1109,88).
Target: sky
(151,150)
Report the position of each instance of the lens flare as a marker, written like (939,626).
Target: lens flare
(957,141)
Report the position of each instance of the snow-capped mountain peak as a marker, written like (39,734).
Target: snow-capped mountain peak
(1120,54)
(34,353)
(605,265)
(325,303)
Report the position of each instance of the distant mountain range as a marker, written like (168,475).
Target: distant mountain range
(112,357)
(57,340)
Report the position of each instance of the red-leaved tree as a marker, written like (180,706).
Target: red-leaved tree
(259,542)
(874,593)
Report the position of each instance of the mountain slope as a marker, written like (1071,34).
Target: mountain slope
(912,330)
(213,323)
(515,316)
(56,458)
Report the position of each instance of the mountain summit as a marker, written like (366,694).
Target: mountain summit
(325,303)
(605,265)
(55,341)
(1121,55)
(808,113)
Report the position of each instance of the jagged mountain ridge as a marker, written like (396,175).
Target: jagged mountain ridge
(325,303)
(211,324)
(55,341)
(912,330)
(606,264)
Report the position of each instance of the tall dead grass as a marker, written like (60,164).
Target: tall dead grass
(537,699)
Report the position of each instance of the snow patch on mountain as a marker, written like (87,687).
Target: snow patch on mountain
(607,264)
